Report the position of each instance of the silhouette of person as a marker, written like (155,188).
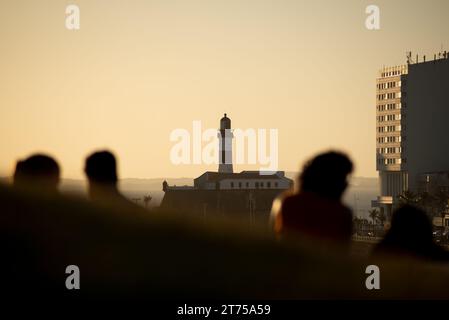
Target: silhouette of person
(411,234)
(39,172)
(101,172)
(316,211)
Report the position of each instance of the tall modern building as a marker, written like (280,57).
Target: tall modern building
(412,127)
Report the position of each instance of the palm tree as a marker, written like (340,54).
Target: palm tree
(147,199)
(408,197)
(427,202)
(382,218)
(373,214)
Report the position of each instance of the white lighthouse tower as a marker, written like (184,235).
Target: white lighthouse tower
(225,145)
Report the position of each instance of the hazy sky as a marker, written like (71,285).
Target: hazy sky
(136,70)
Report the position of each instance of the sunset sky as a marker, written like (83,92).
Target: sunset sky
(136,70)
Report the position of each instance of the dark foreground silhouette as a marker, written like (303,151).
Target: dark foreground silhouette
(316,210)
(127,253)
(411,234)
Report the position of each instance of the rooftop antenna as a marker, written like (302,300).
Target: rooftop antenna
(409,57)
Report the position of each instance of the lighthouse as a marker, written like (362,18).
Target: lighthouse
(248,193)
(225,145)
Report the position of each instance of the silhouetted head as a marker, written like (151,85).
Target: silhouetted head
(101,168)
(101,171)
(410,228)
(326,175)
(38,171)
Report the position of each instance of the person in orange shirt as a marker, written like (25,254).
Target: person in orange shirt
(316,210)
